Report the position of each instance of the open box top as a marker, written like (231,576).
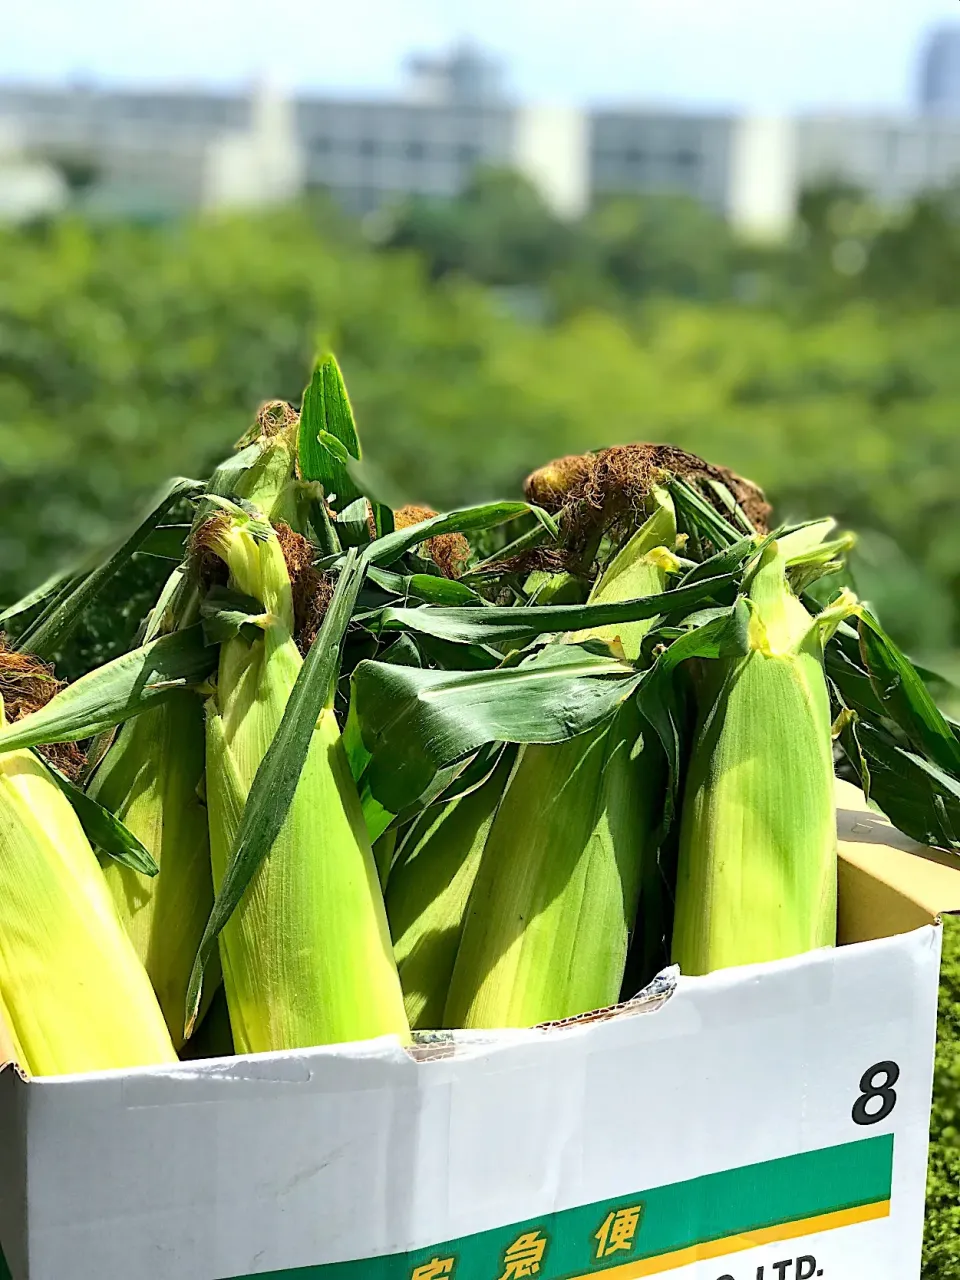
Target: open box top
(734,1115)
(888,884)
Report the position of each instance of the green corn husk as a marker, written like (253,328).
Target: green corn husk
(213,1037)
(149,778)
(269,482)
(757,877)
(543,587)
(555,899)
(152,773)
(427,893)
(306,956)
(73,995)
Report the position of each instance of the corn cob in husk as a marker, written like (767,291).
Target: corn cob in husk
(306,956)
(757,876)
(428,889)
(73,995)
(555,898)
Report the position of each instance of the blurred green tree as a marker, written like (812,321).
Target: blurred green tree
(499,231)
(131,353)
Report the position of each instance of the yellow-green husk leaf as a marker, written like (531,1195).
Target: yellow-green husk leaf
(73,995)
(428,889)
(757,876)
(270,483)
(150,778)
(306,956)
(549,918)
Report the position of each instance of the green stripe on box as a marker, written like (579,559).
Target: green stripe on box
(4,1269)
(682,1215)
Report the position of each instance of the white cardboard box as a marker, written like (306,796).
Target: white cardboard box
(763,1123)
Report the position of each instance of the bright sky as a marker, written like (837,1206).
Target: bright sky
(766,54)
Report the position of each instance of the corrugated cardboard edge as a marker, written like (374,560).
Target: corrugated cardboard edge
(888,884)
(429,1046)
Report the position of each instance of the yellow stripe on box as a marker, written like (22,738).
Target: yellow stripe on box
(743,1240)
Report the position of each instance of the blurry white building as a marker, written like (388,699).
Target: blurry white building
(466,76)
(643,152)
(763,183)
(892,159)
(29,188)
(154,153)
(753,169)
(261,164)
(453,117)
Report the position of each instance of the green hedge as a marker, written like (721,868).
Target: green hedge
(941,1252)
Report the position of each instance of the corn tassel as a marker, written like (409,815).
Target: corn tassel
(73,995)
(428,889)
(757,876)
(306,956)
(555,898)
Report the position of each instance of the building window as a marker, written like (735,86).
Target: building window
(687,159)
(634,157)
(468,153)
(369,147)
(416,150)
(320,146)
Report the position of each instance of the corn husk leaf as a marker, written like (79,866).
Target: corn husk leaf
(414,722)
(326,412)
(548,921)
(275,783)
(730,560)
(428,888)
(920,799)
(51,631)
(106,833)
(150,779)
(905,698)
(55,585)
(388,549)
(757,869)
(699,518)
(426,587)
(547,926)
(520,625)
(116,691)
(72,992)
(263,473)
(225,612)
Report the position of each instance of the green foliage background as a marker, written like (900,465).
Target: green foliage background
(130,353)
(941,1253)
(483,337)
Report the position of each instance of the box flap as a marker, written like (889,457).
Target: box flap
(888,883)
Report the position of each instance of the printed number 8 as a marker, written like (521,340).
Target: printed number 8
(876,1082)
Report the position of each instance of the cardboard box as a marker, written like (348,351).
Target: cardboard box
(763,1123)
